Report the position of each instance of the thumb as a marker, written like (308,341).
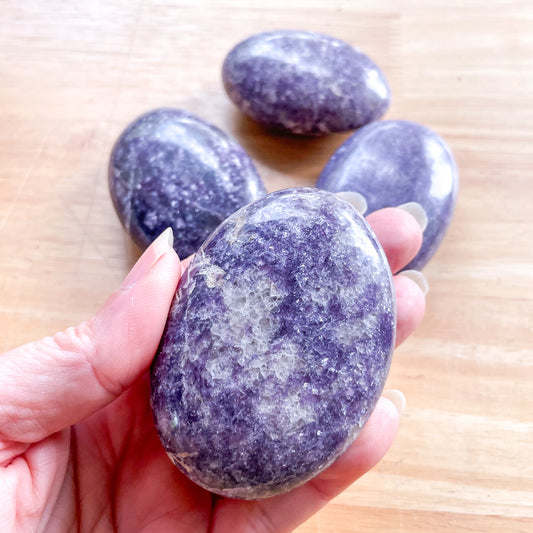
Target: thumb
(50,384)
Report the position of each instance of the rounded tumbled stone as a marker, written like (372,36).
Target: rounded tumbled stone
(305,82)
(399,163)
(171,168)
(277,345)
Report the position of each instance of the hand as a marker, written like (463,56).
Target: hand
(78,446)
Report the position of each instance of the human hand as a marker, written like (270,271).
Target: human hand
(78,446)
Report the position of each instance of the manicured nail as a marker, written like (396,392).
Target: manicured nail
(396,397)
(418,278)
(168,236)
(356,199)
(149,258)
(417,211)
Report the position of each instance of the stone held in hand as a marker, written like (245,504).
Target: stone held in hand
(171,168)
(305,82)
(395,163)
(277,345)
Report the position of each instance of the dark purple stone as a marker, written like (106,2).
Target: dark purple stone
(171,168)
(394,162)
(277,345)
(305,82)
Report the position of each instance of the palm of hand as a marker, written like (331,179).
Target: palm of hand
(110,473)
(127,480)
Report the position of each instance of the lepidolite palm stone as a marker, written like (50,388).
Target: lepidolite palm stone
(395,162)
(171,168)
(277,345)
(304,82)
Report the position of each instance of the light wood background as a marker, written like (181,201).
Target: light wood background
(73,74)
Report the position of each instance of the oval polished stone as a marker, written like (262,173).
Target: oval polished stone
(277,345)
(396,162)
(171,168)
(305,82)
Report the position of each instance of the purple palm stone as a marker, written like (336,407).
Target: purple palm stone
(277,345)
(171,168)
(395,162)
(304,82)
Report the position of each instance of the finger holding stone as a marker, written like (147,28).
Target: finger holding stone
(186,262)
(52,383)
(399,233)
(411,288)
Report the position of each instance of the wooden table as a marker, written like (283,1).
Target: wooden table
(73,74)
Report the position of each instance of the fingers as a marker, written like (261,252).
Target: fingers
(52,383)
(410,305)
(284,513)
(31,485)
(186,262)
(399,235)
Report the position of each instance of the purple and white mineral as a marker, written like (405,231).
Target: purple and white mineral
(304,82)
(277,345)
(171,168)
(397,162)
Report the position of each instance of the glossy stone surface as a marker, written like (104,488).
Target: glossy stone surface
(277,345)
(394,162)
(171,168)
(307,83)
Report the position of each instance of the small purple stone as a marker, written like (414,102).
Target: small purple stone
(171,168)
(395,162)
(305,82)
(277,345)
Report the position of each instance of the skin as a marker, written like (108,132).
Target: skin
(78,447)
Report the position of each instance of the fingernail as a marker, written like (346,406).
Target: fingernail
(417,211)
(168,234)
(397,398)
(356,199)
(149,258)
(418,278)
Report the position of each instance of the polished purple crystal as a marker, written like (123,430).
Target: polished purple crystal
(305,82)
(394,162)
(277,345)
(171,168)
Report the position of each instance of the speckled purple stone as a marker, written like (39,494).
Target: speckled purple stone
(171,168)
(393,162)
(277,345)
(305,82)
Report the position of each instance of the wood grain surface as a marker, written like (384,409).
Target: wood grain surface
(73,74)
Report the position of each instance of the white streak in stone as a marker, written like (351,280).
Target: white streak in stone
(213,274)
(375,83)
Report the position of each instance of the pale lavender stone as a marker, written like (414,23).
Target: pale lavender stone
(305,82)
(394,162)
(171,168)
(277,345)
